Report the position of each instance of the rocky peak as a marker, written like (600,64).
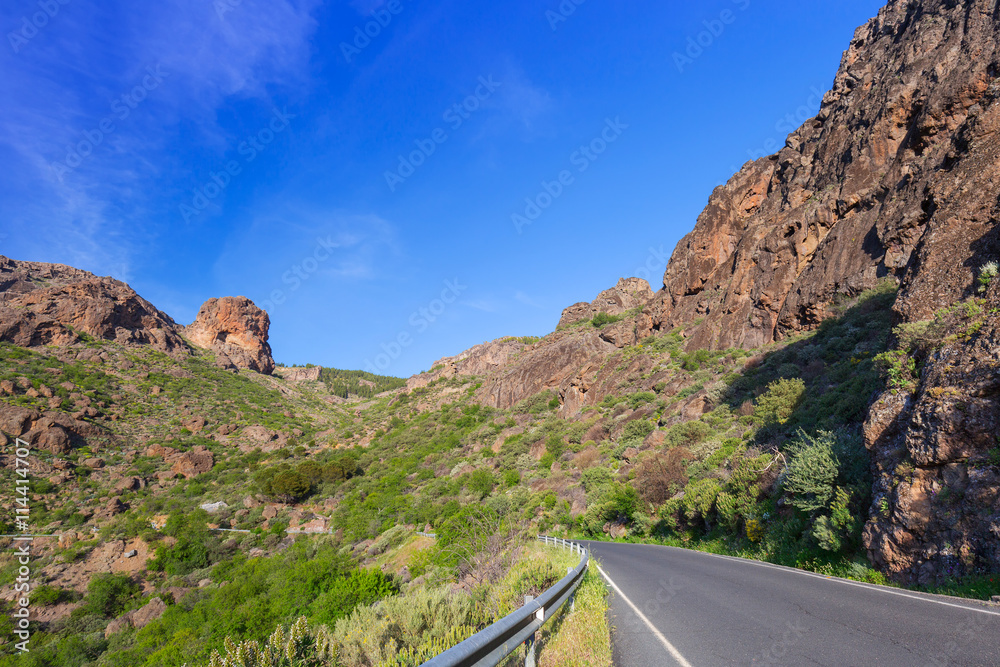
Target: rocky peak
(236,330)
(895,176)
(628,294)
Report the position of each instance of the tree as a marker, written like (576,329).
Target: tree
(812,472)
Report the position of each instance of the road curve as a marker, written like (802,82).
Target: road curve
(678,607)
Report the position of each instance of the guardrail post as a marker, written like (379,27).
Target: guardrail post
(572,598)
(529,657)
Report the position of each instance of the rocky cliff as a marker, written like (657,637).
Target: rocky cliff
(936,510)
(895,176)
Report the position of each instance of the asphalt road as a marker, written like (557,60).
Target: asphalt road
(702,610)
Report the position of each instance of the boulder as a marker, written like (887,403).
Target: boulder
(138,618)
(193,463)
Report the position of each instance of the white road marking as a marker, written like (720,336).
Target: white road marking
(663,640)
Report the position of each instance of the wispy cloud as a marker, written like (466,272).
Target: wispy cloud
(484,305)
(58,92)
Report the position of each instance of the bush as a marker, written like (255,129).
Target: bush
(688,434)
(481,482)
(659,476)
(780,401)
(987,272)
(604,319)
(109,595)
(637,430)
(899,369)
(360,587)
(829,479)
(640,398)
(811,473)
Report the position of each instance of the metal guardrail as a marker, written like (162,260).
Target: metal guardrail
(489,647)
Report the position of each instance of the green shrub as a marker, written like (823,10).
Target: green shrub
(812,472)
(898,367)
(604,319)
(687,434)
(640,398)
(481,482)
(987,272)
(109,595)
(360,587)
(637,430)
(780,401)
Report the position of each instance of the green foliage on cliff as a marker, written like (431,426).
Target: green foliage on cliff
(358,383)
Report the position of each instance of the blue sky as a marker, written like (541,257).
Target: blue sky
(463,171)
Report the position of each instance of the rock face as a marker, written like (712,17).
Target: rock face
(628,294)
(300,374)
(138,618)
(895,176)
(936,511)
(236,330)
(47,304)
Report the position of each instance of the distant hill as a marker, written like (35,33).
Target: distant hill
(346,384)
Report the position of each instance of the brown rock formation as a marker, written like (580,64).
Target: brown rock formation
(629,293)
(236,330)
(138,618)
(47,304)
(193,463)
(300,374)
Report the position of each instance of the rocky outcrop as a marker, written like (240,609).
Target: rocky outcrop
(52,304)
(481,359)
(936,511)
(628,294)
(137,618)
(52,431)
(236,330)
(895,176)
(299,374)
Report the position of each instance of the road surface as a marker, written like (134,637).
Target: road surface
(678,607)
